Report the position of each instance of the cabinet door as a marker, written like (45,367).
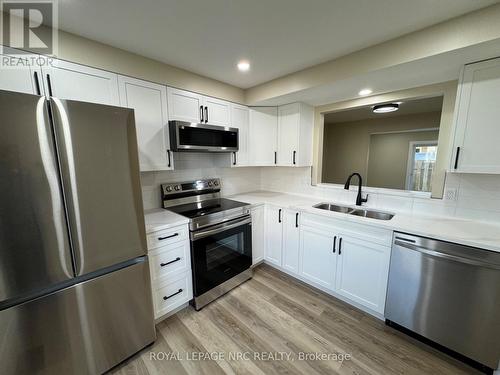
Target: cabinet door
(274,233)
(217,112)
(317,260)
(262,135)
(291,241)
(66,80)
(184,105)
(258,239)
(288,133)
(362,272)
(149,102)
(240,120)
(477,130)
(17,74)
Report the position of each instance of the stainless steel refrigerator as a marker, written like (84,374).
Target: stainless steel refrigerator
(75,293)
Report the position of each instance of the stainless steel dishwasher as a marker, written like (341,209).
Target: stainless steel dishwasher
(448,295)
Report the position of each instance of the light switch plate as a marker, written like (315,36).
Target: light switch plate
(451,194)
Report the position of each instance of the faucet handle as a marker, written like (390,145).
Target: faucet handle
(364,200)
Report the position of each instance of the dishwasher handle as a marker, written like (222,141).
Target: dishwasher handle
(441,255)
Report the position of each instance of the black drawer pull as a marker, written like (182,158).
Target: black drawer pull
(294,153)
(279,216)
(172,295)
(172,261)
(297,220)
(457,155)
(167,237)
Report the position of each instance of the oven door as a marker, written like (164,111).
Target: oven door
(220,252)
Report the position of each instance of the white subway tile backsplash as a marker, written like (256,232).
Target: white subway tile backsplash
(478,196)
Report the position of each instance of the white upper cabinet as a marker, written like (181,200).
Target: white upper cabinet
(240,119)
(18,75)
(295,132)
(66,80)
(191,107)
(185,106)
(362,272)
(217,112)
(477,132)
(263,135)
(149,102)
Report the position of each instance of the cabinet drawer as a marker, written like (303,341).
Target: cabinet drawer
(169,296)
(167,236)
(168,260)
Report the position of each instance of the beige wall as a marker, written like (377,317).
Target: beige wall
(388,157)
(346,145)
(88,52)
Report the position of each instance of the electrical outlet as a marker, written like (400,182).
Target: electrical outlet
(450,194)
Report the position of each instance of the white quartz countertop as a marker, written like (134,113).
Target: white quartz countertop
(159,219)
(466,232)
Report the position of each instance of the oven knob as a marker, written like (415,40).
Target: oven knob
(168,189)
(216,183)
(177,187)
(210,184)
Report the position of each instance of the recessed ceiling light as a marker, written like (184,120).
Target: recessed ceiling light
(385,108)
(243,66)
(365,92)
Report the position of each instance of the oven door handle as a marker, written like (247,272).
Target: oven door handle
(220,228)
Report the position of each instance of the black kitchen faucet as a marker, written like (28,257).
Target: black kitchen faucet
(359,199)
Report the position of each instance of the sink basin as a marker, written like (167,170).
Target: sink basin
(373,214)
(334,207)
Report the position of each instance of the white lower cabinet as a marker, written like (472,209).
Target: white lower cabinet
(291,233)
(318,262)
(274,235)
(170,268)
(258,238)
(362,271)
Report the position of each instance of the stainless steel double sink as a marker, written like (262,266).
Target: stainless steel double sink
(372,214)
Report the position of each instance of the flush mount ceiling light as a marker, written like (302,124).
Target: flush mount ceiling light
(385,108)
(365,92)
(243,66)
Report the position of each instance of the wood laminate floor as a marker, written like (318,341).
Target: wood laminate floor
(269,321)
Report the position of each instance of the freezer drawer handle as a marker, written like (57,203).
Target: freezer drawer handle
(450,257)
(172,261)
(172,295)
(167,237)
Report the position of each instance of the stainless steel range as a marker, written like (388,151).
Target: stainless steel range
(220,234)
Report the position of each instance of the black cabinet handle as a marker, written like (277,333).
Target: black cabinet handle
(340,246)
(201,114)
(37,84)
(279,215)
(167,237)
(457,155)
(334,243)
(172,295)
(297,220)
(295,152)
(206,114)
(49,84)
(168,156)
(234,162)
(275,157)
(172,261)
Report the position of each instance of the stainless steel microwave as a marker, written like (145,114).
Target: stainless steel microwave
(189,136)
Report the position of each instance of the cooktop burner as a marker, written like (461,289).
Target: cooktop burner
(198,209)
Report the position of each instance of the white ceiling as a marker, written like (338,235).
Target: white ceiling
(277,36)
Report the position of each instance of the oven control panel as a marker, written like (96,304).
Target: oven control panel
(196,187)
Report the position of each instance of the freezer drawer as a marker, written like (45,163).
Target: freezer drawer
(447,293)
(84,329)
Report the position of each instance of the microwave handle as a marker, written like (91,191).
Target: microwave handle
(220,228)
